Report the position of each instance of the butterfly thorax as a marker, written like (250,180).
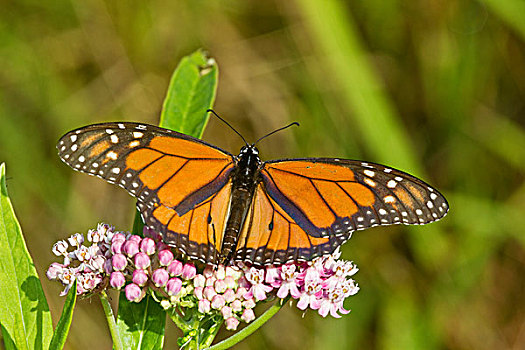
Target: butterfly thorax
(245,178)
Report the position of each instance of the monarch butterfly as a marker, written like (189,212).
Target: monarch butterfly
(217,207)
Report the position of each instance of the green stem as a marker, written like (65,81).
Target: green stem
(249,329)
(113,329)
(177,319)
(211,333)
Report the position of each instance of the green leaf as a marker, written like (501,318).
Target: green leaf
(141,325)
(190,93)
(24,313)
(60,335)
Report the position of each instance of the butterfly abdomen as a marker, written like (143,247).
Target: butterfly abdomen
(244,183)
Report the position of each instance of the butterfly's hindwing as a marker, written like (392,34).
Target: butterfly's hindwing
(199,232)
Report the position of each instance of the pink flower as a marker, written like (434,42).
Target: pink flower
(333,304)
(198,292)
(118,237)
(116,246)
(204,306)
(134,292)
(140,278)
(119,262)
(54,270)
(60,248)
(76,240)
(232,323)
(97,263)
(258,288)
(236,305)
(220,273)
(189,271)
(117,280)
(248,304)
(230,282)
(173,286)
(217,302)
(312,290)
(94,236)
(165,257)
(289,282)
(220,286)
(226,312)
(130,248)
(175,268)
(199,281)
(229,295)
(147,245)
(273,276)
(248,315)
(135,238)
(142,260)
(209,292)
(160,277)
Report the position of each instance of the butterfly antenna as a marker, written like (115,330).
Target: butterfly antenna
(273,132)
(225,122)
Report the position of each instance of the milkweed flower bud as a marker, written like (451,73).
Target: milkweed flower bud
(142,260)
(134,292)
(134,238)
(119,262)
(232,323)
(204,306)
(130,248)
(198,292)
(189,271)
(209,292)
(229,295)
(140,278)
(160,277)
(165,257)
(199,281)
(175,268)
(118,237)
(226,312)
(218,302)
(117,280)
(147,245)
(248,315)
(173,286)
(220,286)
(116,246)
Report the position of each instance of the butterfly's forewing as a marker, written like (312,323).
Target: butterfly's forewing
(159,167)
(311,206)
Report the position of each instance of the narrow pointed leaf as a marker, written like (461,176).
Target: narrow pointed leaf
(62,330)
(24,313)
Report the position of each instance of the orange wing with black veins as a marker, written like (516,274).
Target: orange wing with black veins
(307,207)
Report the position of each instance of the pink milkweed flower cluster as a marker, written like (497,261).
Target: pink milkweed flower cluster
(139,265)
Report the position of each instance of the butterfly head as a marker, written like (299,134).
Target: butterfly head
(248,157)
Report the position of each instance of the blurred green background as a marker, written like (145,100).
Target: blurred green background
(435,88)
